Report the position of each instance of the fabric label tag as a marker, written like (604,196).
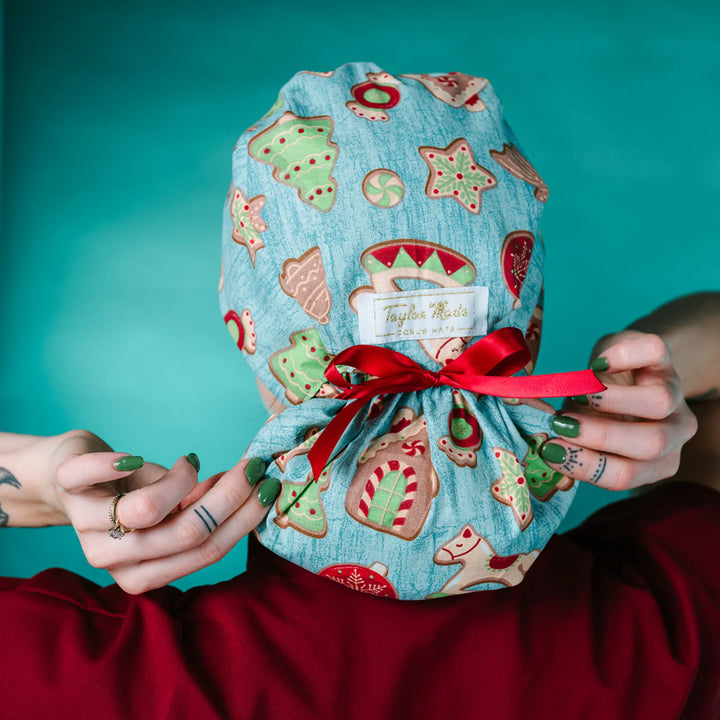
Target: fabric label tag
(423,314)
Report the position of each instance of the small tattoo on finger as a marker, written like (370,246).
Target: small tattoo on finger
(572,461)
(600,469)
(208,516)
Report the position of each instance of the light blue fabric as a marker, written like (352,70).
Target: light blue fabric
(287,218)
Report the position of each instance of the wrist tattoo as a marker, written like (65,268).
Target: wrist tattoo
(7,478)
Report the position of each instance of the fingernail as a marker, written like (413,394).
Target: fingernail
(268,491)
(553,453)
(567,426)
(192,458)
(582,399)
(599,364)
(254,470)
(128,462)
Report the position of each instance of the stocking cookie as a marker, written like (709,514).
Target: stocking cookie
(300,368)
(513,161)
(456,174)
(383,188)
(395,482)
(304,279)
(372,98)
(242,330)
(393,260)
(543,480)
(515,260)
(465,434)
(371,580)
(456,89)
(302,155)
(480,563)
(511,488)
(247,223)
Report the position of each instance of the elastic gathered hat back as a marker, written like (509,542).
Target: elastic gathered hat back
(367,204)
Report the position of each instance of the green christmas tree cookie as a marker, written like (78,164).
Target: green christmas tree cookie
(302,155)
(300,506)
(301,366)
(543,480)
(512,487)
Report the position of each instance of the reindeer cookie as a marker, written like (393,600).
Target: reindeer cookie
(395,482)
(480,563)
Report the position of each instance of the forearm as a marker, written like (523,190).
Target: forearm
(26,489)
(690,326)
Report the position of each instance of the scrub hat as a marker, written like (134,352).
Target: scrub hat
(399,213)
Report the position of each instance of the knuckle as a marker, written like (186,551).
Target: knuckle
(624,476)
(212,552)
(656,346)
(654,444)
(96,558)
(142,510)
(191,534)
(132,585)
(663,401)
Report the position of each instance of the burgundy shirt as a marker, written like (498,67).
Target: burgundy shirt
(619,618)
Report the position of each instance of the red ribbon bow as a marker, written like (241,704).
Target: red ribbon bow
(485,367)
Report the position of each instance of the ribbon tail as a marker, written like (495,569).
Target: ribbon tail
(330,436)
(580,382)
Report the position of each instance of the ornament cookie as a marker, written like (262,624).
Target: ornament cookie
(513,161)
(393,260)
(515,260)
(480,563)
(303,278)
(303,156)
(300,368)
(512,487)
(465,434)
(456,89)
(247,223)
(543,480)
(455,174)
(395,482)
(373,97)
(383,188)
(242,330)
(371,580)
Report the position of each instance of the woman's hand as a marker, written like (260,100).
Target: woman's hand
(630,434)
(175,525)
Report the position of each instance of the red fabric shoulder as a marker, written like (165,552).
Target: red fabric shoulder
(619,618)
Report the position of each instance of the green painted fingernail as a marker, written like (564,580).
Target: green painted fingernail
(192,458)
(254,470)
(599,364)
(128,462)
(567,426)
(268,491)
(553,453)
(582,399)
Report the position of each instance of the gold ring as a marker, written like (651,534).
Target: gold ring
(118,530)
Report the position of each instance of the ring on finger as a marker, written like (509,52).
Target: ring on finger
(117,530)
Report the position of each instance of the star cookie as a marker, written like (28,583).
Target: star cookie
(454,173)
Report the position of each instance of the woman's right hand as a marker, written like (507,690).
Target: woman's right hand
(632,433)
(175,525)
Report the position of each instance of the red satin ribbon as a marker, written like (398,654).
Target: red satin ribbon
(485,367)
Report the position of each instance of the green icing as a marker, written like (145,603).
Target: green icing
(541,478)
(461,428)
(377,96)
(387,498)
(301,367)
(302,504)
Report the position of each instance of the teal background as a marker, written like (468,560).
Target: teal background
(118,123)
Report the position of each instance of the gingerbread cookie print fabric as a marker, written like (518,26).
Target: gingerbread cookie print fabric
(360,184)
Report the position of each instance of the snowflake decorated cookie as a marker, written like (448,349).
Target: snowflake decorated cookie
(515,260)
(303,278)
(371,580)
(247,223)
(543,480)
(242,330)
(456,89)
(300,368)
(374,96)
(302,156)
(511,488)
(456,174)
